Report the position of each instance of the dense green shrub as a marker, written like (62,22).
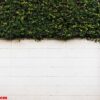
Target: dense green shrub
(57,19)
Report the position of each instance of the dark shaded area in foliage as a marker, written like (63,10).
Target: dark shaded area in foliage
(57,19)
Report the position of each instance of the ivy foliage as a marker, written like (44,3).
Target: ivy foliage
(57,19)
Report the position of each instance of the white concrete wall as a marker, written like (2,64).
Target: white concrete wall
(50,70)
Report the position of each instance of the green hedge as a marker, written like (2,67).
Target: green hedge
(57,19)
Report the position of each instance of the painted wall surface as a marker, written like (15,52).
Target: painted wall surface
(50,70)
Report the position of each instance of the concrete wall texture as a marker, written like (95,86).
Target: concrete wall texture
(50,70)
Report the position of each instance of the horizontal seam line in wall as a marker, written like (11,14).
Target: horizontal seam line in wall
(51,48)
(53,95)
(49,57)
(47,77)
